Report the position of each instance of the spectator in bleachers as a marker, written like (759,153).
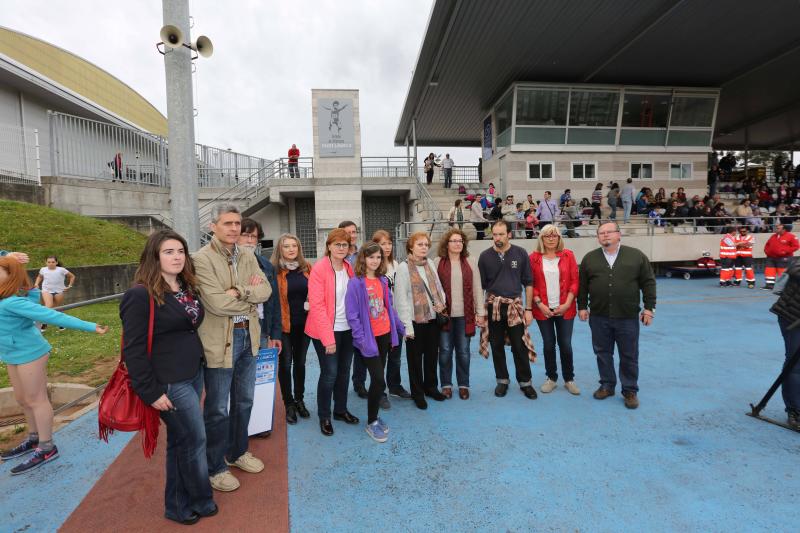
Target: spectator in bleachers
(743,211)
(428,166)
(628,197)
(566,197)
(531,222)
(520,224)
(529,203)
(681,193)
(456,215)
(477,218)
(508,211)
(548,211)
(597,200)
(294,154)
(490,193)
(447,170)
(713,179)
(673,215)
(571,218)
(613,200)
(661,198)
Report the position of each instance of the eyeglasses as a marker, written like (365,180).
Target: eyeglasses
(341,245)
(250,236)
(456,241)
(608,232)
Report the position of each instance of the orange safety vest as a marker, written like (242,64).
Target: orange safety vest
(748,239)
(727,247)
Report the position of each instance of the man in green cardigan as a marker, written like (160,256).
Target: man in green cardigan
(612,278)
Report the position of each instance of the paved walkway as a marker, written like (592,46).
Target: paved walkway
(688,459)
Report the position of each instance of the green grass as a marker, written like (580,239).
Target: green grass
(76,240)
(78,356)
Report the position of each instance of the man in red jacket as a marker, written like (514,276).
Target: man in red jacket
(779,249)
(294,154)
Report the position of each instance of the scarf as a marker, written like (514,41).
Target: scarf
(422,308)
(444,270)
(515,317)
(289,265)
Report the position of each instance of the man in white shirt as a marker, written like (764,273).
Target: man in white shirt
(447,169)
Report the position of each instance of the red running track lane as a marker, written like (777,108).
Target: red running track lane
(130,494)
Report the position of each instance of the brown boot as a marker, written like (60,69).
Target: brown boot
(603,393)
(631,401)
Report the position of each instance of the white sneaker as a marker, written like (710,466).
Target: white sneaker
(224,481)
(549,386)
(248,463)
(571,387)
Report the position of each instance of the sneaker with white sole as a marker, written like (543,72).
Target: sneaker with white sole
(384,425)
(38,458)
(24,448)
(224,481)
(549,386)
(248,463)
(375,431)
(572,388)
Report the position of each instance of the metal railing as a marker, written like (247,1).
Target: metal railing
(85,148)
(217,167)
(386,167)
(303,169)
(13,421)
(19,155)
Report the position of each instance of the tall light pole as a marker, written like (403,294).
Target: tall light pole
(180,120)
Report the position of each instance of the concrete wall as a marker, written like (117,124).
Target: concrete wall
(33,194)
(96,281)
(274,221)
(100,197)
(610,166)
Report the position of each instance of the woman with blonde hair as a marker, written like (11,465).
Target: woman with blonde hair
(419,296)
(292,272)
(461,281)
(555,287)
(329,330)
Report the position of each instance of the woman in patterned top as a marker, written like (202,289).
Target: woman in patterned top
(170,377)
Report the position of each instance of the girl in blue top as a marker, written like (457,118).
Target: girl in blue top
(25,351)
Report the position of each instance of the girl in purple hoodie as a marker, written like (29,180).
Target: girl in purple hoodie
(375,326)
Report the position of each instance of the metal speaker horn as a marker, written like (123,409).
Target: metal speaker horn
(202,45)
(171,36)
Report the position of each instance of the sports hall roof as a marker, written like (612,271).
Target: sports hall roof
(473,50)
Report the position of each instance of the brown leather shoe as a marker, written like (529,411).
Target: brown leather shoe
(463,393)
(631,401)
(448,393)
(602,393)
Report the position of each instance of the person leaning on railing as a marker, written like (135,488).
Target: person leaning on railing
(25,352)
(171,377)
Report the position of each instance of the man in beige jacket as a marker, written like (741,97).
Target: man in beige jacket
(231,284)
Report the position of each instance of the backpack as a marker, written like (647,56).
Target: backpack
(462,189)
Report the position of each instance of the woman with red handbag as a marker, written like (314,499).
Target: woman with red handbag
(25,351)
(170,378)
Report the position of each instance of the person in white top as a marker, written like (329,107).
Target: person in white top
(53,280)
(418,298)
(447,170)
(463,291)
(555,287)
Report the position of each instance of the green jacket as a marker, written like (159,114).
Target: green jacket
(614,292)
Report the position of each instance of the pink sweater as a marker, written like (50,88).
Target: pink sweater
(322,300)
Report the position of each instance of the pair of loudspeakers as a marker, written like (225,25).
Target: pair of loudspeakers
(172,37)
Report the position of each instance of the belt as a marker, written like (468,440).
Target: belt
(242,325)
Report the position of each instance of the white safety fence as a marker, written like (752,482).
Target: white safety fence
(19,155)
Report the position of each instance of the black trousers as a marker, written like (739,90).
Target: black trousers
(377,385)
(497,335)
(423,357)
(292,364)
(596,211)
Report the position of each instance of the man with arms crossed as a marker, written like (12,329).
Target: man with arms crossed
(612,278)
(505,269)
(231,286)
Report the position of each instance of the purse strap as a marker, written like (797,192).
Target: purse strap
(150,320)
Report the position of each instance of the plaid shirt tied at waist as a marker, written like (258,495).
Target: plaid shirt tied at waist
(515,317)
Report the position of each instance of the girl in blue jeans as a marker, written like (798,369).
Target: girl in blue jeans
(461,282)
(170,378)
(376,328)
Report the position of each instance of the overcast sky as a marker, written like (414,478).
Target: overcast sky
(254,94)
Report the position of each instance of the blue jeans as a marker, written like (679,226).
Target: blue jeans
(613,206)
(624,332)
(393,379)
(454,339)
(557,329)
(188,488)
(334,373)
(791,385)
(227,432)
(626,207)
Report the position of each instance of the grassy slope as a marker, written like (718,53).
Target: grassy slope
(76,240)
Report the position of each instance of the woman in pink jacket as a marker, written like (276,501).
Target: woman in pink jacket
(329,330)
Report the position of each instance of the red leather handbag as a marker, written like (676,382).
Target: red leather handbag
(121,409)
